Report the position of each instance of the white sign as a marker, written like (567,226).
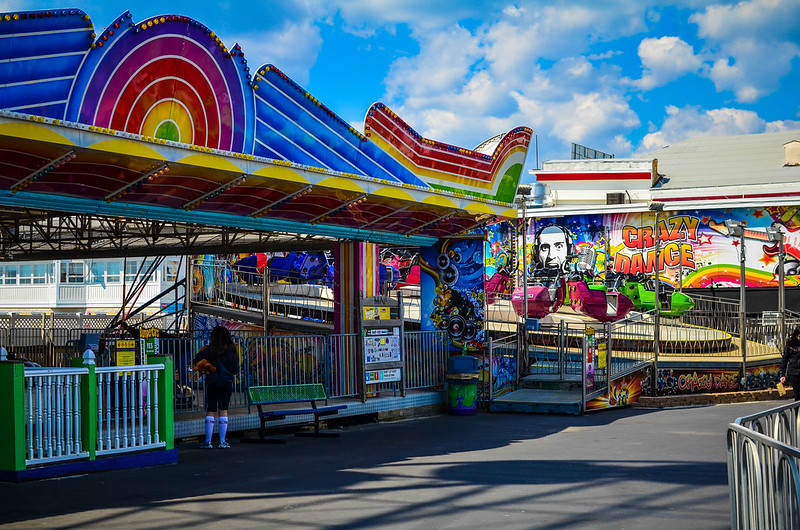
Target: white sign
(382,345)
(382,376)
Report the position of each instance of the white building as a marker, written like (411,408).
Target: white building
(96,286)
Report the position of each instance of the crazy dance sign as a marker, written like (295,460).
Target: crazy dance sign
(696,249)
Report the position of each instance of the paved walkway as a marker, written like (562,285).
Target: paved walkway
(627,468)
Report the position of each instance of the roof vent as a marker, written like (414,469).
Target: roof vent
(791,153)
(615,198)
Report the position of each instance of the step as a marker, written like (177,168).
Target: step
(538,401)
(552,382)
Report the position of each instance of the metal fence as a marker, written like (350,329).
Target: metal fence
(555,349)
(425,358)
(763,463)
(331,360)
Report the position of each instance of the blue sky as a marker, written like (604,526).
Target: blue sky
(622,76)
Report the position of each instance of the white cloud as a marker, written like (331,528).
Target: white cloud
(693,122)
(753,42)
(282,48)
(441,68)
(665,59)
(782,125)
(773,18)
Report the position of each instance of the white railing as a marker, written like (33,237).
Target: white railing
(53,415)
(763,476)
(127,409)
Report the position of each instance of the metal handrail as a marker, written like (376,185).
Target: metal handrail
(763,469)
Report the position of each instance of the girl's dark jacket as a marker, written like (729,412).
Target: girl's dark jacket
(227,365)
(790,362)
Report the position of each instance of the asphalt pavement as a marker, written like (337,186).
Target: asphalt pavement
(625,468)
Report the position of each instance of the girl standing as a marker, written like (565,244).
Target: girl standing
(221,353)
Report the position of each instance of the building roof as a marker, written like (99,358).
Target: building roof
(750,159)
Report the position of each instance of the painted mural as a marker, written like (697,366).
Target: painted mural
(171,78)
(696,249)
(622,392)
(499,253)
(452,292)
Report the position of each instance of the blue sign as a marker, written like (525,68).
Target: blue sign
(532,324)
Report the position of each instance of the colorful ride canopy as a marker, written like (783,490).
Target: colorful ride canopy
(168,84)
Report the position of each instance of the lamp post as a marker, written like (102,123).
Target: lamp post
(736,229)
(657,207)
(776,236)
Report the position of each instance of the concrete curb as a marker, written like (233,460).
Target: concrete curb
(687,400)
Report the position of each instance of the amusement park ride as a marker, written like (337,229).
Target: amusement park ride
(604,301)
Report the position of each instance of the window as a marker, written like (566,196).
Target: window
(71,272)
(171,267)
(10,276)
(42,273)
(98,272)
(113,270)
(132,269)
(25,274)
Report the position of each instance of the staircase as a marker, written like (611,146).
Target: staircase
(543,394)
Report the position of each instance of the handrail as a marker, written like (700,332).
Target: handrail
(764,469)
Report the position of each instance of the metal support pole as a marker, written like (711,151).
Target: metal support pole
(609,356)
(657,318)
(524,333)
(781,293)
(742,310)
(265,298)
(188,293)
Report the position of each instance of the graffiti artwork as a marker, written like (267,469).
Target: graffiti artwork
(703,381)
(696,249)
(452,291)
(622,392)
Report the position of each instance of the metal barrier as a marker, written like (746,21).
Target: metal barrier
(53,415)
(556,349)
(331,360)
(763,462)
(128,409)
(425,358)
(500,315)
(631,343)
(504,363)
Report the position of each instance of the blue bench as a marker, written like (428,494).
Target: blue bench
(262,396)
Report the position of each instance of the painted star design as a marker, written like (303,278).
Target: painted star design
(767,259)
(758,214)
(704,239)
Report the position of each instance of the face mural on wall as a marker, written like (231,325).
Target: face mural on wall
(551,248)
(696,248)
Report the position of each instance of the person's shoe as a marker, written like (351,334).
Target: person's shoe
(224,445)
(206,445)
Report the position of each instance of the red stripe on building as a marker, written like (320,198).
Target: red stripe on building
(605,175)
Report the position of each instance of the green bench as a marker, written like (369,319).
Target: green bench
(262,396)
